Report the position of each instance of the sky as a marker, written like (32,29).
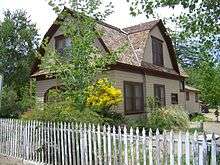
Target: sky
(43,15)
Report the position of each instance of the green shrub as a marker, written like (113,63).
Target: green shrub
(63,112)
(168,118)
(198,118)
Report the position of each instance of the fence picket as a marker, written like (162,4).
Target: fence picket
(195,148)
(165,148)
(69,143)
(55,143)
(81,144)
(213,150)
(73,129)
(125,147)
(104,145)
(94,144)
(137,147)
(187,148)
(171,148)
(144,146)
(85,144)
(119,145)
(90,144)
(150,146)
(114,146)
(131,146)
(157,147)
(180,148)
(109,145)
(77,145)
(99,145)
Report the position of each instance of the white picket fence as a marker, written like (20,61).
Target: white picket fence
(75,144)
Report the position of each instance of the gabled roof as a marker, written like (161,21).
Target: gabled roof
(135,37)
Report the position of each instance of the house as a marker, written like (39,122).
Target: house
(148,67)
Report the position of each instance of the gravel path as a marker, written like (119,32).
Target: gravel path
(10,161)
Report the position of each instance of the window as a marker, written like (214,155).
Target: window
(187,96)
(174,98)
(157,51)
(61,43)
(159,94)
(196,97)
(182,85)
(133,97)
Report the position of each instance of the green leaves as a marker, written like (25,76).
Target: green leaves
(80,63)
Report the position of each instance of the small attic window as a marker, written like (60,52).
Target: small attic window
(61,43)
(157,51)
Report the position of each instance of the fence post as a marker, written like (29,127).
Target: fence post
(164,148)
(213,150)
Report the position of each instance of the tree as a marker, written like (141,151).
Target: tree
(18,42)
(82,61)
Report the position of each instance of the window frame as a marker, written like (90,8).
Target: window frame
(155,51)
(134,111)
(164,94)
(196,97)
(177,99)
(187,96)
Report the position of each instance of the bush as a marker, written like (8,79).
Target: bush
(198,118)
(103,96)
(13,105)
(168,118)
(63,112)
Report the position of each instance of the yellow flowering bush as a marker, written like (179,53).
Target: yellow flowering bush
(102,95)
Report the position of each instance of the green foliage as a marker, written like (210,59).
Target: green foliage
(168,118)
(80,63)
(198,117)
(18,41)
(13,106)
(63,112)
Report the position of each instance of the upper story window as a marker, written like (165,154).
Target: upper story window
(61,43)
(157,51)
(159,94)
(174,98)
(133,97)
(196,97)
(187,96)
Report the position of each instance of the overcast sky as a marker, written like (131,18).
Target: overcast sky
(43,15)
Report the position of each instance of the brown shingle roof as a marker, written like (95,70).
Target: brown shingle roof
(135,37)
(141,27)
